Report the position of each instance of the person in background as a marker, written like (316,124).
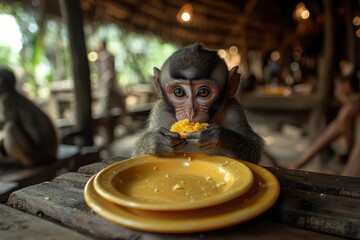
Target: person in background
(346,124)
(110,95)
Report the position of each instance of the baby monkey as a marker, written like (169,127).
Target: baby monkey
(194,83)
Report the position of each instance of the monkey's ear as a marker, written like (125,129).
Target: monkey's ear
(157,81)
(233,82)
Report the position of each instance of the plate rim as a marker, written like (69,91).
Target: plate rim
(262,204)
(170,206)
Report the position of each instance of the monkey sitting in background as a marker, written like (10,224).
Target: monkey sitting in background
(27,133)
(194,83)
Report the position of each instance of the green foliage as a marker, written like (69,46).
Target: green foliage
(135,54)
(5,52)
(45,55)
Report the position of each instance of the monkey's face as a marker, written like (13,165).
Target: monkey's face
(192,99)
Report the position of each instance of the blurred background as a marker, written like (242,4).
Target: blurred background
(288,52)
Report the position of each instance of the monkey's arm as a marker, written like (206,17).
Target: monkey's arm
(157,139)
(336,128)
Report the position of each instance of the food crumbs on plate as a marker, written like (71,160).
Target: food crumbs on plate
(220,184)
(46,198)
(156,190)
(207,178)
(177,187)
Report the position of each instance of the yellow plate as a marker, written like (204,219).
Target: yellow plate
(259,198)
(181,182)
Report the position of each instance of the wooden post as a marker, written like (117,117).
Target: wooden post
(73,16)
(350,33)
(326,63)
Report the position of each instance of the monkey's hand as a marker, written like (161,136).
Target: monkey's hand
(223,141)
(159,141)
(206,139)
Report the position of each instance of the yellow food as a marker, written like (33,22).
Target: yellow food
(177,187)
(185,126)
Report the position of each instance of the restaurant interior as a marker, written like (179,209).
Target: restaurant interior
(288,54)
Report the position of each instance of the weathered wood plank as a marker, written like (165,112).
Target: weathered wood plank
(319,212)
(318,182)
(66,205)
(16,225)
(92,169)
(71,179)
(112,160)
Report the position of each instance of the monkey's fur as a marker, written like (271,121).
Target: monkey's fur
(28,134)
(194,83)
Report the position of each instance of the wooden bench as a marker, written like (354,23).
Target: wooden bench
(106,124)
(69,158)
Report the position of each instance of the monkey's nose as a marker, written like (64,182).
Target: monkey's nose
(199,118)
(192,114)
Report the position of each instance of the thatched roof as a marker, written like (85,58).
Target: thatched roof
(217,23)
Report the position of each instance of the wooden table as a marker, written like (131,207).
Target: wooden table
(294,109)
(310,206)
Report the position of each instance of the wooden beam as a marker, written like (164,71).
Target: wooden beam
(73,16)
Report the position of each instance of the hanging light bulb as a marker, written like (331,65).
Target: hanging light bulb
(301,12)
(185,14)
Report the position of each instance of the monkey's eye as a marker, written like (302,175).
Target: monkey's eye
(203,92)
(179,92)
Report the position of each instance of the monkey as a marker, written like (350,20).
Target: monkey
(28,135)
(194,83)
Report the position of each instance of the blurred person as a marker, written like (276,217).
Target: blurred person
(110,94)
(346,124)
